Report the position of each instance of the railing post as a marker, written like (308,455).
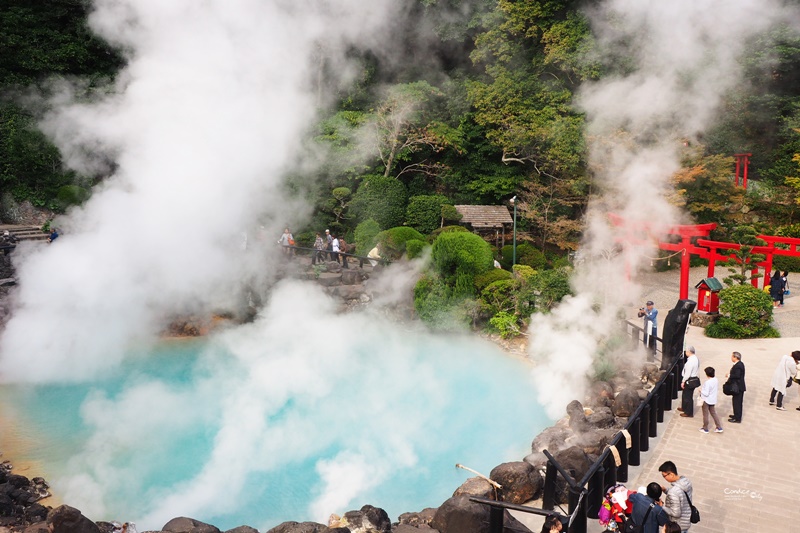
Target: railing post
(633,453)
(576,502)
(549,494)
(622,470)
(496,519)
(595,493)
(654,415)
(611,475)
(644,428)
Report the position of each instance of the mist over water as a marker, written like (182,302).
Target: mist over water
(269,422)
(674,62)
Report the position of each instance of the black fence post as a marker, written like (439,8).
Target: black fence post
(549,494)
(611,473)
(496,519)
(654,412)
(577,503)
(644,428)
(622,469)
(596,493)
(633,454)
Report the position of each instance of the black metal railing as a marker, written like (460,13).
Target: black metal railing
(330,253)
(586,495)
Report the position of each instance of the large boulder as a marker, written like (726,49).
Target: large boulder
(520,481)
(551,439)
(577,417)
(418,520)
(626,402)
(574,461)
(242,529)
(330,279)
(594,442)
(459,515)
(66,519)
(601,418)
(368,519)
(299,527)
(476,486)
(601,394)
(188,525)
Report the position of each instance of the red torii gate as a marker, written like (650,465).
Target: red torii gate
(707,249)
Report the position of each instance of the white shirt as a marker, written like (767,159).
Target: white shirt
(690,368)
(335,245)
(709,391)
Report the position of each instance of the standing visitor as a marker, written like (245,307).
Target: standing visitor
(343,252)
(709,395)
(736,380)
(286,240)
(678,503)
(782,378)
(328,243)
(785,280)
(335,249)
(650,315)
(689,382)
(319,246)
(776,288)
(647,511)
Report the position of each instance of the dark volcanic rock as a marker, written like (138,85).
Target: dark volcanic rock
(574,461)
(188,525)
(242,529)
(626,402)
(476,486)
(577,417)
(459,515)
(368,518)
(601,418)
(519,479)
(299,527)
(551,439)
(66,519)
(420,519)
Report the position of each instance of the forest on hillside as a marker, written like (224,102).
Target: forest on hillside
(478,108)
(469,102)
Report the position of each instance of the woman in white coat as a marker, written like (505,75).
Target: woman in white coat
(782,378)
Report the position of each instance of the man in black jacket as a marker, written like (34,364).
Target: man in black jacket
(736,375)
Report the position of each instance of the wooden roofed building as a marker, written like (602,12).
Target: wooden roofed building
(491,222)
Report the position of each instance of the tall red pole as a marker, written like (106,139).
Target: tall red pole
(746,164)
(738,166)
(685,256)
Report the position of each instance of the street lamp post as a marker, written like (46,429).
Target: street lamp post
(514,245)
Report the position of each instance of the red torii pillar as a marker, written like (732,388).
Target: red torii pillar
(742,162)
(686,232)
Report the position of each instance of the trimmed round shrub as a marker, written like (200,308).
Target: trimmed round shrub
(524,272)
(487,278)
(499,296)
(447,229)
(381,199)
(393,241)
(365,236)
(527,254)
(414,248)
(746,314)
(457,254)
(424,213)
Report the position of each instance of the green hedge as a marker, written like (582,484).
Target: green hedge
(485,279)
(459,257)
(381,199)
(393,241)
(424,213)
(414,248)
(746,314)
(365,236)
(527,254)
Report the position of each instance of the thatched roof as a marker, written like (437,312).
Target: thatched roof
(484,216)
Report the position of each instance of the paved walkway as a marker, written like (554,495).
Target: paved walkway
(746,478)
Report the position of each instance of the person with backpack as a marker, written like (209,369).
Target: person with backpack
(678,503)
(647,515)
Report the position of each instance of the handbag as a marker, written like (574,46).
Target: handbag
(730,388)
(692,383)
(695,515)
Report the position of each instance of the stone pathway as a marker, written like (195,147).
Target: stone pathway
(744,479)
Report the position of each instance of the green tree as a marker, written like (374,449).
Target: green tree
(381,199)
(705,187)
(424,213)
(741,264)
(365,236)
(458,257)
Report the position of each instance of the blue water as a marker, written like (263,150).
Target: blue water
(190,429)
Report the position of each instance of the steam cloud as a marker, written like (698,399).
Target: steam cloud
(203,124)
(682,57)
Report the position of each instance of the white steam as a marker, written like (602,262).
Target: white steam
(202,125)
(679,59)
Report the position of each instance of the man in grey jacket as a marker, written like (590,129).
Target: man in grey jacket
(676,504)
